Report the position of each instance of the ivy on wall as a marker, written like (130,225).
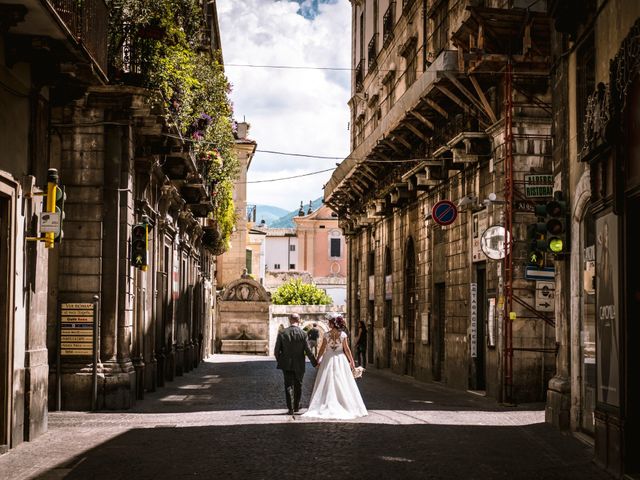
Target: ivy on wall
(161,45)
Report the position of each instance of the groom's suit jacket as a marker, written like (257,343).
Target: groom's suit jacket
(291,347)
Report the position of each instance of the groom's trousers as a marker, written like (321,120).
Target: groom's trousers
(292,389)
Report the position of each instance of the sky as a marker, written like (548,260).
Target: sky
(301,111)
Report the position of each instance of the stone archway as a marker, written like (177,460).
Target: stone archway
(244,318)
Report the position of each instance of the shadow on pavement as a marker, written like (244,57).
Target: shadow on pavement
(259,385)
(335,450)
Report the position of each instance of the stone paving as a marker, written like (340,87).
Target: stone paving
(226,419)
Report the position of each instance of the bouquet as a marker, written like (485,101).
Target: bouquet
(357,372)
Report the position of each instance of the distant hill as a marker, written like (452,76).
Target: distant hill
(269,213)
(286,221)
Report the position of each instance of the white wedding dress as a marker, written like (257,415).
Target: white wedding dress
(335,393)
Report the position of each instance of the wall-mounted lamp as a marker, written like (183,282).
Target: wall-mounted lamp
(492,199)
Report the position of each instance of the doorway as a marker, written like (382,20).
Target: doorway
(410,305)
(5,326)
(388,295)
(632,334)
(437,358)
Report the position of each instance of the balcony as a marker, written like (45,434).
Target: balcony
(388,22)
(87,21)
(372,51)
(406,4)
(359,76)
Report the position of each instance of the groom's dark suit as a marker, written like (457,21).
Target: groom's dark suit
(291,346)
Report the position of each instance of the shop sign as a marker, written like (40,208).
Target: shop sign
(538,186)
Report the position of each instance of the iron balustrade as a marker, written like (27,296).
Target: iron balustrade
(359,76)
(388,22)
(406,4)
(87,21)
(372,51)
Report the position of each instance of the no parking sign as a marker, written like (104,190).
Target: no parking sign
(444,212)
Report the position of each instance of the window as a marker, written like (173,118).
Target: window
(292,266)
(440,27)
(586,83)
(411,58)
(276,266)
(292,248)
(336,247)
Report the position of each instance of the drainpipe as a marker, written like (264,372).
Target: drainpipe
(424,35)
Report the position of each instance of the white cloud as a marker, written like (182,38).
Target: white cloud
(290,110)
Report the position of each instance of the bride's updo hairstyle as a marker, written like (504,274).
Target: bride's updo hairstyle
(337,322)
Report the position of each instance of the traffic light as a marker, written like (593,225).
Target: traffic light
(139,245)
(537,243)
(556,224)
(60,196)
(50,207)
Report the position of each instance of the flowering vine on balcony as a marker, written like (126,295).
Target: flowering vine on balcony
(157,44)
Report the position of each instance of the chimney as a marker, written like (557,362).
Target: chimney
(242,130)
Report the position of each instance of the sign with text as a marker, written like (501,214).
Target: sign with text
(473,314)
(538,186)
(76,329)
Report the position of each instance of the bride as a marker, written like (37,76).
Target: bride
(335,393)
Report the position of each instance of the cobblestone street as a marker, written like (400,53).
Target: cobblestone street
(227,419)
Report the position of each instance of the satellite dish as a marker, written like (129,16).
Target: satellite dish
(494,242)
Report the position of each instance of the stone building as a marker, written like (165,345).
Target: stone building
(47,52)
(123,165)
(595,48)
(451,102)
(322,251)
(231,264)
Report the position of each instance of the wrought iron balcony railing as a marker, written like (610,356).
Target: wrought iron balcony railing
(388,21)
(87,20)
(372,51)
(359,76)
(406,4)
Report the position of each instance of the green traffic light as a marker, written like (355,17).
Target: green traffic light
(556,245)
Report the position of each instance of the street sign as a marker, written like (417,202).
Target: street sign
(50,222)
(444,212)
(538,186)
(545,295)
(76,329)
(537,273)
(473,313)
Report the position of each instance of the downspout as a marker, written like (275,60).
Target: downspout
(424,36)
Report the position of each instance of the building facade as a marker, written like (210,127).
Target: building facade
(597,79)
(451,122)
(322,251)
(126,299)
(231,264)
(44,58)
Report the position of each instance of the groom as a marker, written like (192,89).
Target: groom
(289,352)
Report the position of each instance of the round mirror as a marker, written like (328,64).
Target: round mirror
(493,242)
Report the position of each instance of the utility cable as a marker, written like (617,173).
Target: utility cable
(292,177)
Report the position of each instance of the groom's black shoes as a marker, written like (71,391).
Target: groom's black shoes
(290,412)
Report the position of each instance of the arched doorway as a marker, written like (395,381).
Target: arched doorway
(410,305)
(388,298)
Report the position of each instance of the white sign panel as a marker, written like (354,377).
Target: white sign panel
(545,295)
(473,303)
(49,222)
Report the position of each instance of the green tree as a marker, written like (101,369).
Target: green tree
(294,292)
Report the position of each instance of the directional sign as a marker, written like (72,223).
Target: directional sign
(545,294)
(76,329)
(444,212)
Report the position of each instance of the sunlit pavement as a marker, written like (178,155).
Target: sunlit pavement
(227,419)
